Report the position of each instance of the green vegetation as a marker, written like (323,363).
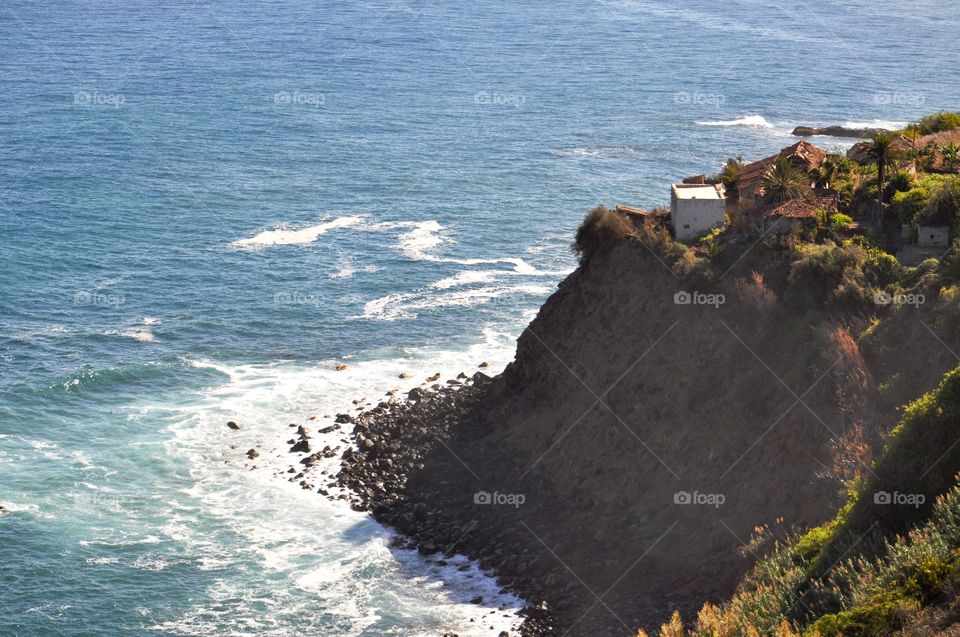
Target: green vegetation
(785,181)
(910,203)
(600,229)
(886,558)
(881,149)
(938,122)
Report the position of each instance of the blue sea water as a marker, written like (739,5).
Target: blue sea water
(205,206)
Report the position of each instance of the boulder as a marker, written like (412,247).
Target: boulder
(302,446)
(232,425)
(343,418)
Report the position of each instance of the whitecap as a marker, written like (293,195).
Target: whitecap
(466,278)
(751,121)
(143,335)
(402,306)
(885,124)
(285,236)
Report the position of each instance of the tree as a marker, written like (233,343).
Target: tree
(784,181)
(728,176)
(881,149)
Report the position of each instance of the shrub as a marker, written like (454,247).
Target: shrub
(840,221)
(899,181)
(944,205)
(921,458)
(915,202)
(937,122)
(875,620)
(600,229)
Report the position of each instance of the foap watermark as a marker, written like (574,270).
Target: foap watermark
(84,297)
(696,98)
(715,500)
(298,298)
(515,500)
(882,297)
(298,98)
(96,98)
(104,501)
(496,98)
(698,298)
(915,500)
(899,99)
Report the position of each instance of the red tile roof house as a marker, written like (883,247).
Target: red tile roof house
(783,218)
(803,155)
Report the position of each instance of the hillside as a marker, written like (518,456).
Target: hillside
(649,438)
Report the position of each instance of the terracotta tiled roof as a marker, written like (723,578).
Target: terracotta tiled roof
(801,208)
(803,150)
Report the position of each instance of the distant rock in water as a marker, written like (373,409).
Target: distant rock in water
(233,425)
(253,453)
(836,131)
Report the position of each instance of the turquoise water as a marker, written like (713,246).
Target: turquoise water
(205,207)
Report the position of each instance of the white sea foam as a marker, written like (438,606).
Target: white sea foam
(286,236)
(405,306)
(877,123)
(141,334)
(16,507)
(467,277)
(751,121)
(328,551)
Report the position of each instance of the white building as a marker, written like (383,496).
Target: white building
(933,235)
(696,209)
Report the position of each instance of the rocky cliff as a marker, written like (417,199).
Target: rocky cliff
(660,408)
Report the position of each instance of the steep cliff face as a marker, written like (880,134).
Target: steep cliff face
(646,427)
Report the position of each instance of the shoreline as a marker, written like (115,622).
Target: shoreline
(388,441)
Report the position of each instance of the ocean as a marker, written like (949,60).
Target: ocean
(206,207)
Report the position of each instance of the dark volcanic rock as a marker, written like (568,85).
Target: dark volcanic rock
(835,131)
(301,446)
(232,425)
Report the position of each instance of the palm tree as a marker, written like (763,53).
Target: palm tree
(785,181)
(881,149)
(950,153)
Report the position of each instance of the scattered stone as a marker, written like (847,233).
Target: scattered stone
(312,418)
(232,425)
(433,378)
(340,367)
(484,364)
(405,374)
(302,446)
(477,600)
(343,419)
(329,429)
(253,453)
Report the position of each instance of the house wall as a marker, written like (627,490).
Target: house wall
(693,217)
(785,225)
(933,235)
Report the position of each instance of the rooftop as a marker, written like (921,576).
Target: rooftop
(803,150)
(801,208)
(698,191)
